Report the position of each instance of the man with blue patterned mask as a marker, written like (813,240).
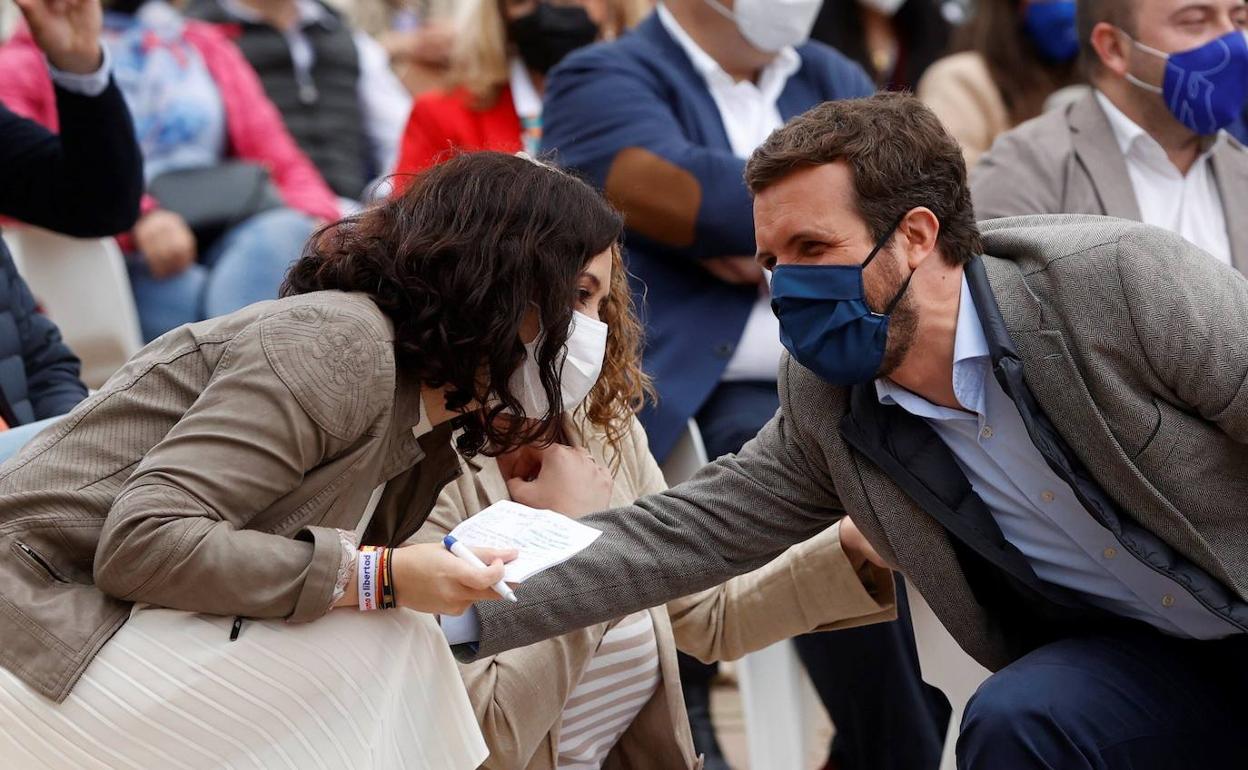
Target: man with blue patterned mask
(1148,143)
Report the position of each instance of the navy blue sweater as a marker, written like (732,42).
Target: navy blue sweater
(86,182)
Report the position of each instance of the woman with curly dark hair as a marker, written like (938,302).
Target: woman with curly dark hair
(269,465)
(610,695)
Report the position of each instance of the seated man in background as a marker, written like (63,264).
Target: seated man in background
(1043,426)
(85,182)
(663,119)
(1148,143)
(333,85)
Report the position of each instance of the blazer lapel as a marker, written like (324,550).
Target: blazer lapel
(1230,169)
(1097,150)
(696,92)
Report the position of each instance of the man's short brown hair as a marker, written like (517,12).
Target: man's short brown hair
(1089,13)
(901,158)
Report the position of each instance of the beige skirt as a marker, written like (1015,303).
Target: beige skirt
(169,690)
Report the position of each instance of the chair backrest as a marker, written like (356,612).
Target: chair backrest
(83,286)
(945,666)
(687,457)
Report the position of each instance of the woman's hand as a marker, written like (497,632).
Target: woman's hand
(856,546)
(563,479)
(166,242)
(428,578)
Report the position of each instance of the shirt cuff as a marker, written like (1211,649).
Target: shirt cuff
(462,629)
(90,84)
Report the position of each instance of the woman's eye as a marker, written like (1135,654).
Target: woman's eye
(584,296)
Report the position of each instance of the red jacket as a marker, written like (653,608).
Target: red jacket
(443,122)
(254,128)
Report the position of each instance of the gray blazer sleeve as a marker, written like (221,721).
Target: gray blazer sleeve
(1189,312)
(734,516)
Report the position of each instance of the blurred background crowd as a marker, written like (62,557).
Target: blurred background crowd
(256,121)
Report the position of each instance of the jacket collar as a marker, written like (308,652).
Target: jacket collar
(1096,147)
(412,437)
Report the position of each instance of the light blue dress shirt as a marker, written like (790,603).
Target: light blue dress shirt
(1037,511)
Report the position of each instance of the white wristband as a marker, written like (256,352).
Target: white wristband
(366,579)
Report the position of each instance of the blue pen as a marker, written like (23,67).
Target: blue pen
(464,552)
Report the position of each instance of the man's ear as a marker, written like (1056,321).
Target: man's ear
(1112,48)
(917,233)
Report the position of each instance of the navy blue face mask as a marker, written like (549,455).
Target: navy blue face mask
(825,322)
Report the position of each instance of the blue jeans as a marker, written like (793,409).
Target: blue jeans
(1133,699)
(245,265)
(12,440)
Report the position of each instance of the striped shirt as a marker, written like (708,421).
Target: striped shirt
(620,680)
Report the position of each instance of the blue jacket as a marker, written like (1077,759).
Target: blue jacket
(38,373)
(637,120)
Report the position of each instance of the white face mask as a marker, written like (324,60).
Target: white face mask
(771,25)
(886,7)
(579,368)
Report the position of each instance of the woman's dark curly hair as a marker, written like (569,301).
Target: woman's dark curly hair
(457,261)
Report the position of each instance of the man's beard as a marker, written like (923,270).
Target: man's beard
(903,322)
(903,327)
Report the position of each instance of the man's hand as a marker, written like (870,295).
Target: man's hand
(67,31)
(563,479)
(741,271)
(166,242)
(856,546)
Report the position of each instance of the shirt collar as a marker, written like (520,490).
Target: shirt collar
(523,93)
(771,80)
(1128,133)
(971,362)
(310,12)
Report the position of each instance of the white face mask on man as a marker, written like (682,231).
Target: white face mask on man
(579,367)
(772,25)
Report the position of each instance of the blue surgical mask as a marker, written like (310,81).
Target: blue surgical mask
(1205,87)
(1051,27)
(825,322)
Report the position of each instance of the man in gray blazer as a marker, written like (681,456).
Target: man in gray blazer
(1147,142)
(1045,428)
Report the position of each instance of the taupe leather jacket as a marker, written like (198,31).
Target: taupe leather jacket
(213,473)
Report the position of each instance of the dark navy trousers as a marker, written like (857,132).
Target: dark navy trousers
(1132,700)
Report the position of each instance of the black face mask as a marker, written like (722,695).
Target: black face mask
(127,7)
(550,33)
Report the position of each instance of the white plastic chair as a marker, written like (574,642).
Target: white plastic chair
(83,286)
(775,695)
(945,666)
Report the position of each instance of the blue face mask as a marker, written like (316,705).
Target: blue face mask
(1051,27)
(1204,88)
(825,322)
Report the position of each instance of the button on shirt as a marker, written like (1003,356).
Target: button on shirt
(1191,205)
(749,113)
(1037,511)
